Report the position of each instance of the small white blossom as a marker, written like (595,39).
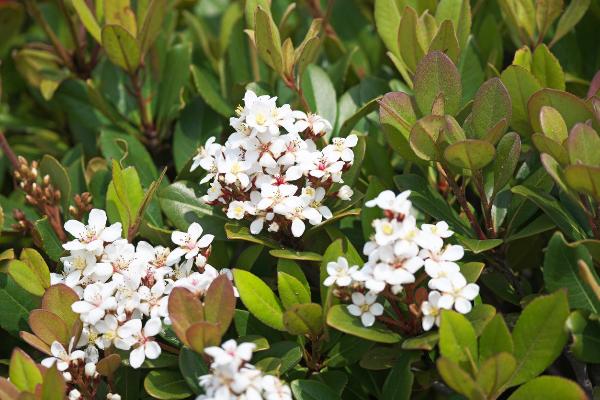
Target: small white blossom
(365,307)
(340,273)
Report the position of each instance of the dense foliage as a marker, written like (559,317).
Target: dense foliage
(248,199)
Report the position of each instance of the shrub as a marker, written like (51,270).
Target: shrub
(316,200)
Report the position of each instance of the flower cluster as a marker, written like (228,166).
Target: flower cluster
(270,170)
(124,288)
(397,252)
(233,377)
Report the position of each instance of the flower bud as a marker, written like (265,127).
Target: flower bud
(90,369)
(345,193)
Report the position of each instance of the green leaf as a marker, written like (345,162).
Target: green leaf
(339,318)
(151,27)
(491,105)
(54,384)
(508,151)
(166,385)
(546,68)
(521,85)
(398,384)
(87,19)
(459,380)
(480,316)
(553,209)
(17,304)
(50,242)
(259,299)
(397,115)
(23,372)
(182,204)
(561,270)
(478,246)
(472,154)
(291,290)
(184,310)
(296,255)
(304,389)
(353,119)
(586,337)
(58,299)
(553,125)
(471,270)
(411,40)
(121,47)
(238,232)
(191,366)
(495,339)
(436,75)
(546,12)
(302,319)
(549,387)
(495,372)
(581,143)
(267,39)
(425,135)
(445,40)
(124,196)
(207,86)
(459,15)
(571,107)
(320,93)
(572,15)
(279,358)
(458,341)
(539,336)
(26,278)
(387,20)
(58,177)
(177,72)
(426,341)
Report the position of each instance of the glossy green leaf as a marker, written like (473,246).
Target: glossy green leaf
(387,20)
(546,387)
(508,151)
(304,389)
(553,125)
(495,339)
(25,277)
(459,13)
(491,105)
(267,39)
(539,336)
(191,366)
(23,372)
(399,382)
(458,379)
(572,15)
(291,290)
(339,318)
(458,341)
(219,303)
(495,372)
(572,108)
(259,299)
(585,335)
(166,385)
(301,319)
(521,85)
(561,270)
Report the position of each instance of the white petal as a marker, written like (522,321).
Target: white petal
(195,231)
(137,357)
(367,319)
(428,321)
(298,227)
(354,310)
(470,291)
(376,309)
(153,327)
(152,350)
(112,233)
(74,227)
(82,307)
(462,305)
(205,241)
(446,301)
(97,219)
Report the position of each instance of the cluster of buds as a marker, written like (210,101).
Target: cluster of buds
(37,193)
(83,205)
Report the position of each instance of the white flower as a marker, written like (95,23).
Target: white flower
(318,125)
(275,389)
(236,210)
(272,195)
(441,264)
(132,333)
(297,209)
(154,300)
(387,231)
(441,229)
(456,292)
(75,394)
(345,193)
(62,357)
(234,169)
(97,299)
(231,353)
(366,275)
(339,272)
(387,200)
(91,237)
(113,396)
(107,330)
(365,307)
(190,243)
(341,148)
(431,310)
